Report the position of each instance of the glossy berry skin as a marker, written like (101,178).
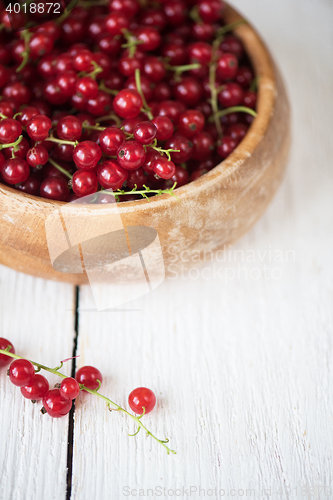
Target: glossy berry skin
(110,139)
(237,131)
(203,146)
(5,360)
(37,156)
(145,132)
(69,128)
(69,388)
(164,168)
(131,155)
(250,99)
(149,37)
(55,188)
(191,122)
(84,182)
(127,103)
(89,376)
(38,127)
(140,399)
(136,178)
(164,126)
(30,186)
(151,156)
(226,145)
(87,87)
(111,175)
(10,130)
(100,104)
(86,155)
(20,150)
(181,177)
(26,114)
(227,66)
(182,145)
(210,10)
(37,389)
(40,44)
(230,95)
(21,372)
(188,90)
(116,23)
(55,404)
(15,170)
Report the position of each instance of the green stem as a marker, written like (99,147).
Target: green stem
(60,141)
(235,109)
(145,109)
(26,35)
(131,43)
(145,191)
(214,103)
(111,116)
(3,116)
(185,67)
(67,11)
(12,144)
(103,87)
(230,27)
(58,167)
(109,402)
(254,84)
(92,127)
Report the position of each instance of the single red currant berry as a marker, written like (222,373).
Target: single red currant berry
(84,182)
(10,130)
(151,156)
(15,170)
(183,148)
(21,372)
(164,127)
(18,151)
(27,113)
(40,44)
(164,168)
(110,139)
(200,52)
(38,127)
(203,146)
(145,132)
(4,344)
(116,23)
(69,388)
(6,109)
(83,60)
(127,103)
(37,156)
(237,131)
(30,186)
(189,90)
(231,94)
(191,122)
(149,38)
(154,69)
(37,389)
(131,155)
(244,76)
(18,92)
(69,128)
(250,99)
(232,44)
(87,87)
(111,175)
(87,154)
(180,177)
(127,7)
(66,81)
(175,11)
(55,188)
(89,376)
(142,399)
(210,10)
(55,404)
(227,66)
(136,178)
(100,104)
(226,145)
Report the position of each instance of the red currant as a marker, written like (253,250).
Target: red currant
(21,372)
(55,404)
(131,155)
(69,128)
(164,168)
(38,127)
(145,132)
(136,178)
(111,175)
(37,389)
(230,95)
(5,360)
(87,154)
(10,130)
(142,399)
(87,87)
(55,188)
(84,182)
(69,388)
(127,103)
(15,170)
(191,122)
(227,66)
(89,376)
(183,147)
(226,145)
(37,156)
(110,139)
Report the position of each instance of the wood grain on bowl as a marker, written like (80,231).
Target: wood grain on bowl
(207,214)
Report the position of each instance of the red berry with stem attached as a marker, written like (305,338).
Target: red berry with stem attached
(151,156)
(37,389)
(18,151)
(55,188)
(69,388)
(110,139)
(37,156)
(226,145)
(164,128)
(227,66)
(84,182)
(21,372)
(131,155)
(230,95)
(183,148)
(6,109)
(87,86)
(89,376)
(116,23)
(149,37)
(69,128)
(191,122)
(83,61)
(15,170)
(87,154)
(164,168)
(142,399)
(127,103)
(38,127)
(136,178)
(55,404)
(5,360)
(10,130)
(111,175)
(145,132)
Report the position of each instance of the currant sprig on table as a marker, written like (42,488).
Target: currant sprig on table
(119,94)
(58,402)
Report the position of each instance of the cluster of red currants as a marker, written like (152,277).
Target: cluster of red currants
(130,95)
(58,402)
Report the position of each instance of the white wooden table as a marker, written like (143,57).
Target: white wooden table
(241,362)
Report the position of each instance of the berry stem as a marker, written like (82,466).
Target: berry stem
(214,103)
(111,116)
(67,11)
(131,43)
(60,141)
(229,27)
(180,69)
(145,191)
(58,167)
(145,109)
(109,402)
(234,109)
(26,35)
(92,127)
(12,144)
(103,87)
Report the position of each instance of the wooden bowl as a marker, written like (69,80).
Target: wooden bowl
(208,214)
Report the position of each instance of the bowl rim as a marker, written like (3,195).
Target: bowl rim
(264,70)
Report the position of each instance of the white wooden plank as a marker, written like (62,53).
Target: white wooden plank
(242,367)
(38,317)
